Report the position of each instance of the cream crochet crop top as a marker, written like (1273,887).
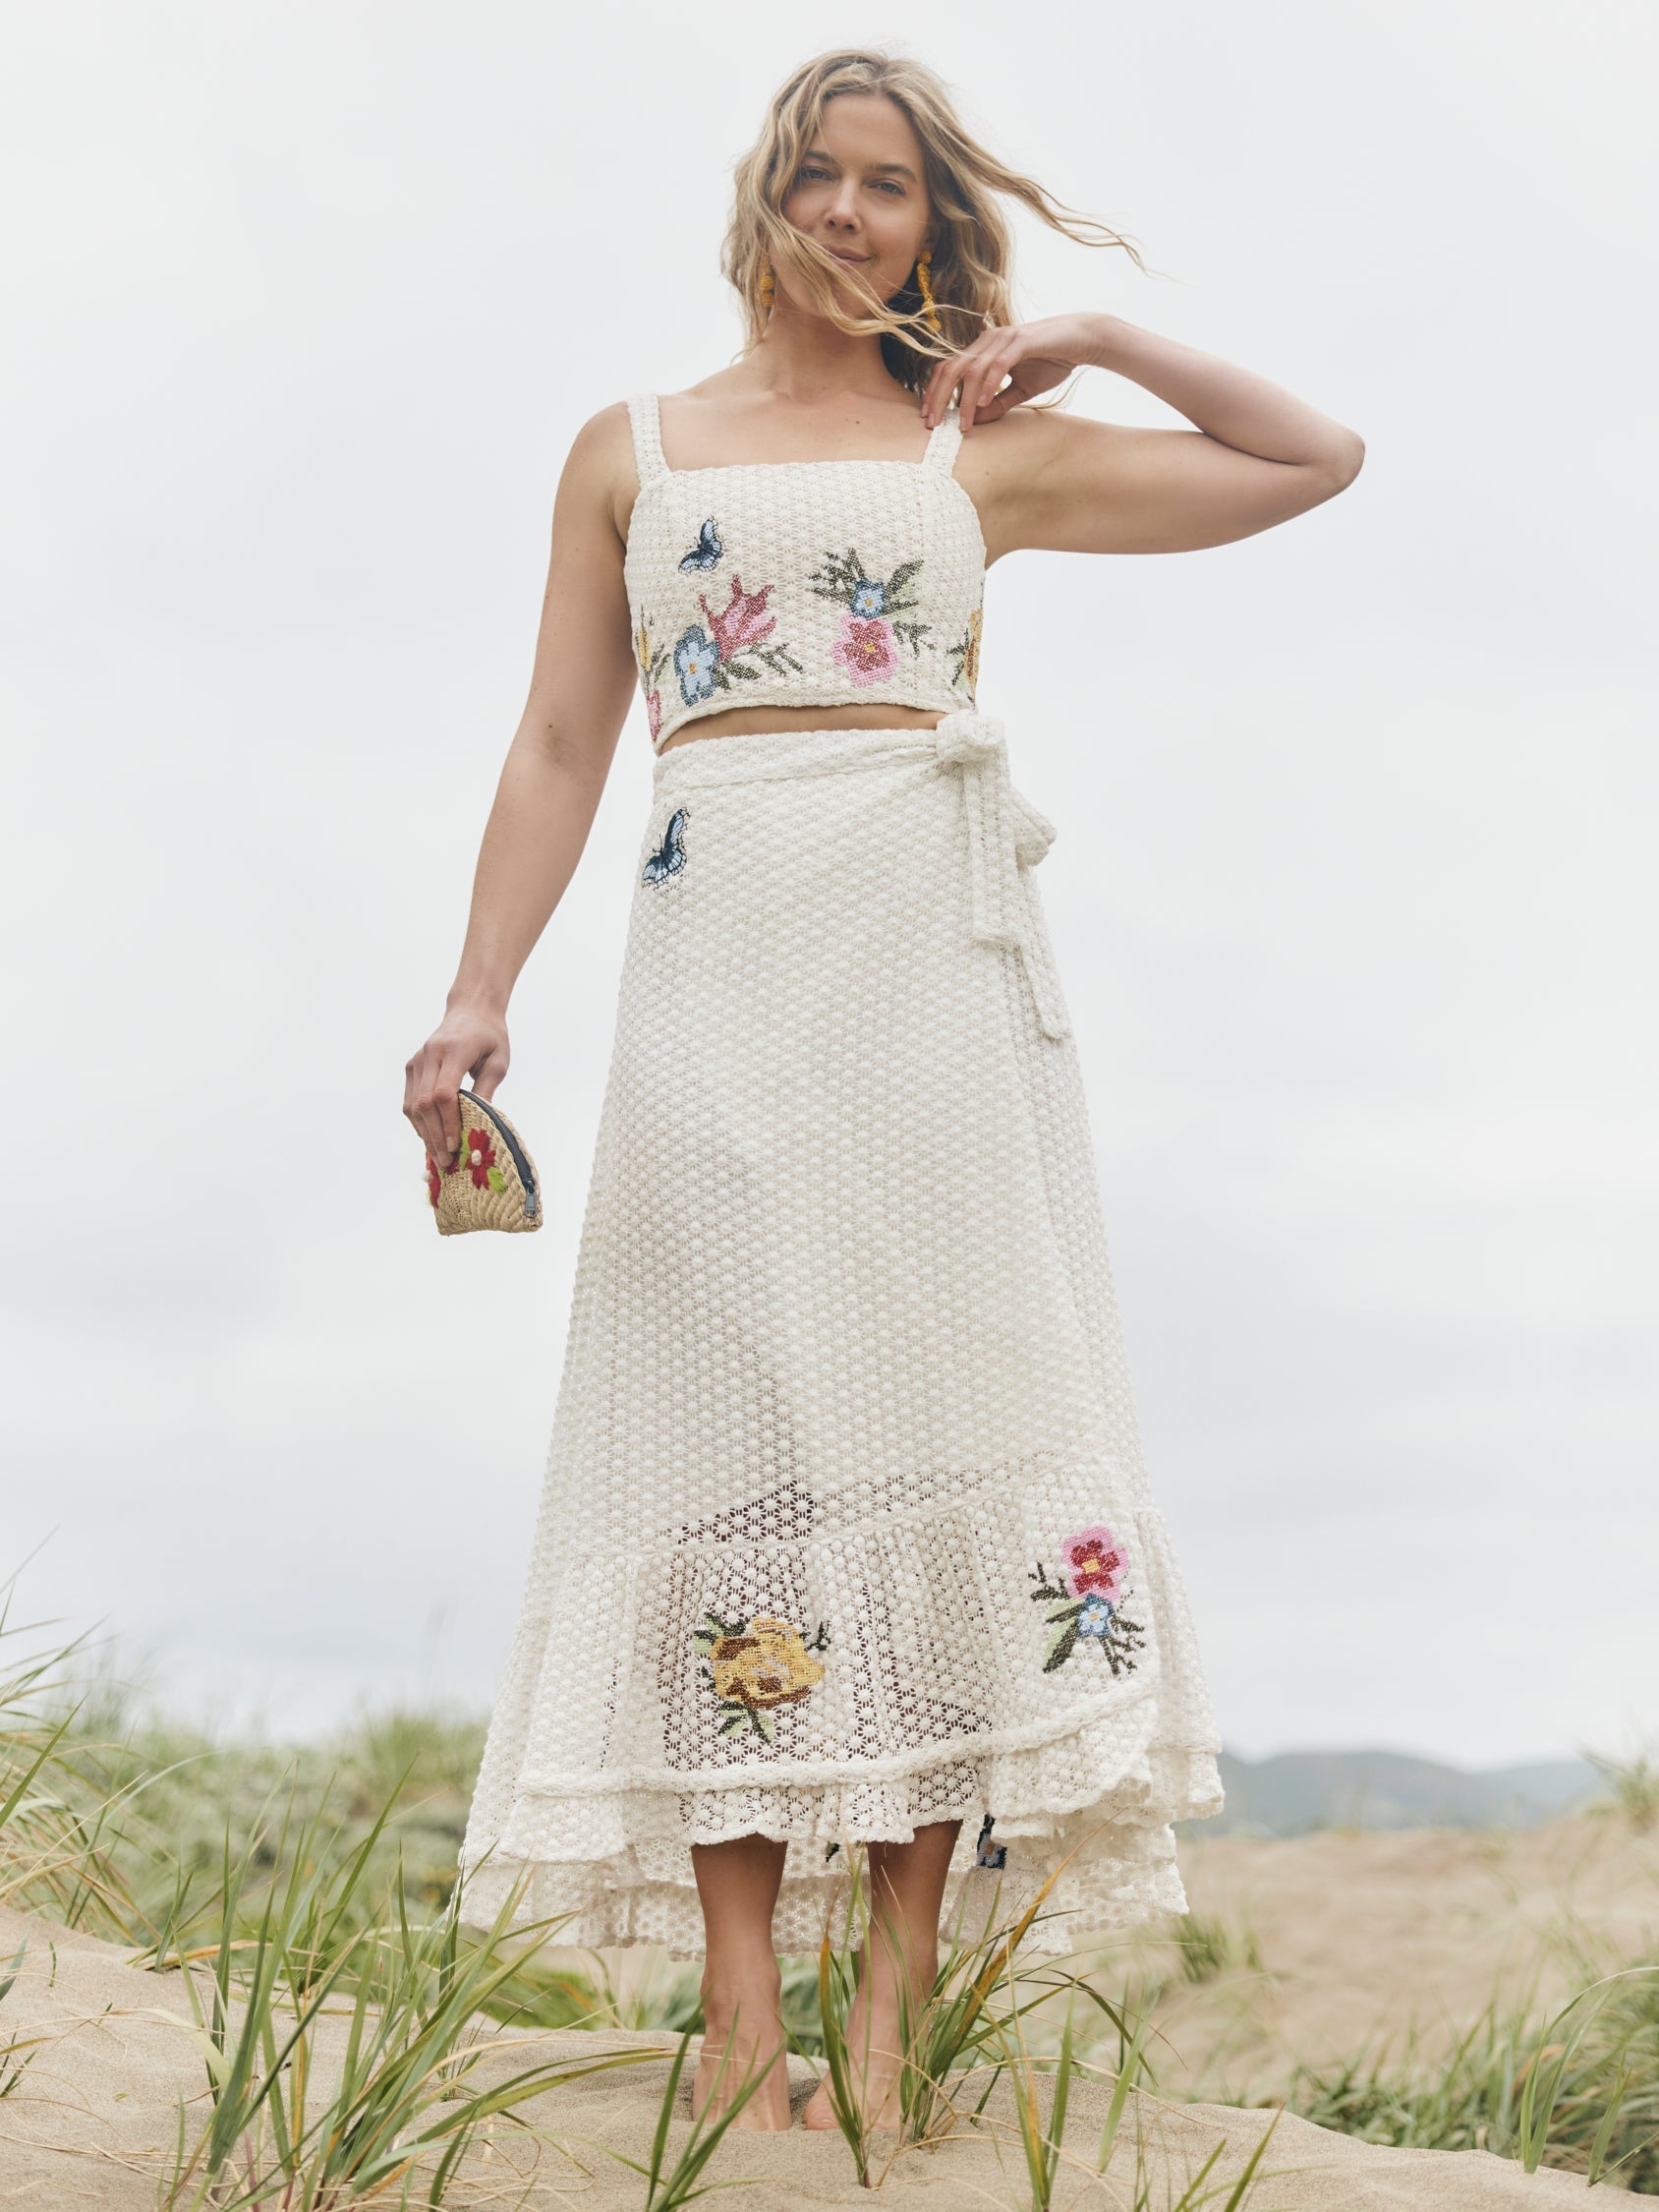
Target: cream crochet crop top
(802,583)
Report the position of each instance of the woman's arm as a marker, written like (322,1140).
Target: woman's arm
(550,785)
(1258,455)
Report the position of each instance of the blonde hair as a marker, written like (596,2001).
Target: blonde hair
(971,249)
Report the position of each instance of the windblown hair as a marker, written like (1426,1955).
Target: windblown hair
(972,250)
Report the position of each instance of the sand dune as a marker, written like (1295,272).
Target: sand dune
(1364,1933)
(93,2120)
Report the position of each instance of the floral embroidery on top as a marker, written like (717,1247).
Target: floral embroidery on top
(1090,1589)
(755,1665)
(966,655)
(479,1154)
(865,647)
(707,661)
(653,659)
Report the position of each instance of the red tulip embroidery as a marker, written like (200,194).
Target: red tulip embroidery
(433,1181)
(735,646)
(744,623)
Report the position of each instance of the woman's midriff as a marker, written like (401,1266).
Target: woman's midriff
(740,722)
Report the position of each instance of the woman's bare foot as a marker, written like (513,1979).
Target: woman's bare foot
(873,2058)
(743,2028)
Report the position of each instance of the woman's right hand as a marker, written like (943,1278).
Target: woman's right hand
(469,1040)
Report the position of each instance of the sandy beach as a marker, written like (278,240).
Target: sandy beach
(1355,1935)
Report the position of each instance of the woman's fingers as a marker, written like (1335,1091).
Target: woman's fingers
(446,1101)
(431,1081)
(980,386)
(948,374)
(432,1104)
(1010,357)
(417,1104)
(997,403)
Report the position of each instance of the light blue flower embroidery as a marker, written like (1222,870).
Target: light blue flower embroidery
(868,600)
(695,658)
(1095,1616)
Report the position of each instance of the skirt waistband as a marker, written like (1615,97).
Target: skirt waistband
(1006,835)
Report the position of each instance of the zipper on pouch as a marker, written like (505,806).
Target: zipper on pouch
(526,1173)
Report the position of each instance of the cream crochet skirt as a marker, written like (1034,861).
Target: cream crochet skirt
(844,1528)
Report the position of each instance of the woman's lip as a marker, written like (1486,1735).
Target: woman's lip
(853,261)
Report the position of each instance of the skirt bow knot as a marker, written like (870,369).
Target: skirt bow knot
(1006,835)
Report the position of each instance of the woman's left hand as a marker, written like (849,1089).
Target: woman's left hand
(1033,356)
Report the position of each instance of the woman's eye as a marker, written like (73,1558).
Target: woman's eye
(811,175)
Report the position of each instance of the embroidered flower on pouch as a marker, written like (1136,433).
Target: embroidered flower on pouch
(1086,1603)
(1093,1562)
(695,658)
(435,1182)
(754,1666)
(876,607)
(864,650)
(744,623)
(987,1854)
(479,1154)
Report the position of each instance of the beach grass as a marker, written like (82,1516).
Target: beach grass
(290,1880)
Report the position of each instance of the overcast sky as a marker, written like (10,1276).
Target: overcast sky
(1353,894)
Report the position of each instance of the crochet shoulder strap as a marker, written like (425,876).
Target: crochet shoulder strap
(646,425)
(946,443)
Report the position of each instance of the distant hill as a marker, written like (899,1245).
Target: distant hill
(1299,1791)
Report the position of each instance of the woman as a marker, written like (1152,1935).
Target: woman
(845,1539)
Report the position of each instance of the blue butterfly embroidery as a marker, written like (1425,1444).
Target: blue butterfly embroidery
(670,858)
(707,551)
(987,1854)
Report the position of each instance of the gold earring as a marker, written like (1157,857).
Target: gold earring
(768,285)
(923,285)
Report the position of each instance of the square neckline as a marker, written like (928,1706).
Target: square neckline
(939,443)
(938,456)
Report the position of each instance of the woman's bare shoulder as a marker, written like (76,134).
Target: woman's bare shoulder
(1024,438)
(599,470)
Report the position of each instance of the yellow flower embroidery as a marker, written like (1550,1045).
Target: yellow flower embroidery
(757,1666)
(966,655)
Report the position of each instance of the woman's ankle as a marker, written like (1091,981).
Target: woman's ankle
(746,1989)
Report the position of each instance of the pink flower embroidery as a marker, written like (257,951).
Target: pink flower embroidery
(864,650)
(1094,1560)
(744,623)
(654,712)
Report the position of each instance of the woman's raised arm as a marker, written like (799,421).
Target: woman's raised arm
(1257,456)
(550,789)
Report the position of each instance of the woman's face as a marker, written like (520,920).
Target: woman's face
(859,194)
